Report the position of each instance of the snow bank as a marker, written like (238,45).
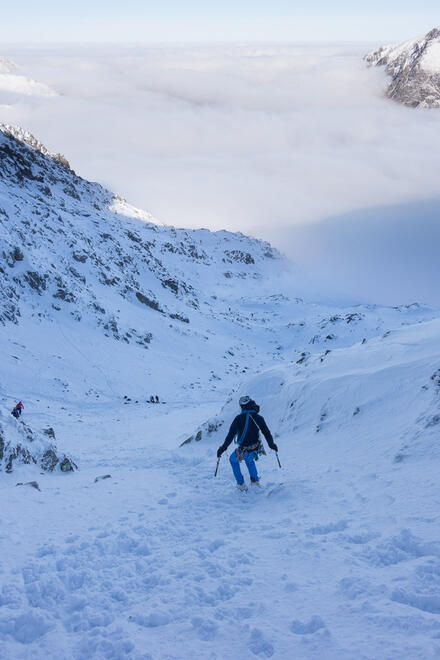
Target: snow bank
(385,390)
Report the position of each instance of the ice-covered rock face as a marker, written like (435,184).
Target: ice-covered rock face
(415,70)
(79,248)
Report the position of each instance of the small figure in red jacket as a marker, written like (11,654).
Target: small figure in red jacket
(17,410)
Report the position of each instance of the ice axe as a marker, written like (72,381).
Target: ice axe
(216,468)
(276,454)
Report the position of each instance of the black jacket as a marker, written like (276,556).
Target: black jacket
(250,438)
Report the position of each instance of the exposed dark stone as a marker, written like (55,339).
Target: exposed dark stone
(62,294)
(17,255)
(147,301)
(433,421)
(179,317)
(80,256)
(35,281)
(354,316)
(106,280)
(19,453)
(45,190)
(49,461)
(34,484)
(104,476)
(171,284)
(133,237)
(145,339)
(240,257)
(98,308)
(214,426)
(70,190)
(67,465)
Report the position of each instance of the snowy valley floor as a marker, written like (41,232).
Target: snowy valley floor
(163,561)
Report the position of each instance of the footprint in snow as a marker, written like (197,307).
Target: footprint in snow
(205,629)
(155,619)
(260,645)
(329,528)
(308,628)
(215,545)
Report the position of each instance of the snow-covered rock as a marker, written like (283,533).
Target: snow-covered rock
(415,70)
(12,81)
(70,248)
(21,445)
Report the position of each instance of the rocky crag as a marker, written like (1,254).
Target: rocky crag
(414,67)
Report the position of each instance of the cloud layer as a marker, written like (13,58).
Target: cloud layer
(264,140)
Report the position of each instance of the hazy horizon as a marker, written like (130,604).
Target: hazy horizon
(145,21)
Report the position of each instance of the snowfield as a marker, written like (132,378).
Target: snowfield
(141,553)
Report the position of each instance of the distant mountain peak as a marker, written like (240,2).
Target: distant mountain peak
(8,66)
(415,70)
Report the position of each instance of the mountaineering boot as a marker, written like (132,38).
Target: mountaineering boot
(242,486)
(255,482)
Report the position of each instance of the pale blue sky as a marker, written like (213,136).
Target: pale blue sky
(226,20)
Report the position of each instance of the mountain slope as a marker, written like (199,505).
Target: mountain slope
(337,557)
(140,553)
(415,69)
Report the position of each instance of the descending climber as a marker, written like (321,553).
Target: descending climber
(17,410)
(245,428)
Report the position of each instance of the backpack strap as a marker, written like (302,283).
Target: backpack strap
(245,428)
(256,423)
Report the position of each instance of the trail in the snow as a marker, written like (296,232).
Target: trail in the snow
(163,561)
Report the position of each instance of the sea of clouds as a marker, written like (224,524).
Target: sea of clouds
(294,144)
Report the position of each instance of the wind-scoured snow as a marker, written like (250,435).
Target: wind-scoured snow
(415,70)
(141,553)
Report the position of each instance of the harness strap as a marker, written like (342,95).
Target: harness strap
(257,448)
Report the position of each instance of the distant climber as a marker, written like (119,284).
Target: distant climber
(157,399)
(245,429)
(17,410)
(152,399)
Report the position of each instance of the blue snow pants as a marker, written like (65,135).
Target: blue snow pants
(249,459)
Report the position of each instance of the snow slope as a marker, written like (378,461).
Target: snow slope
(162,561)
(415,70)
(141,553)
(11,81)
